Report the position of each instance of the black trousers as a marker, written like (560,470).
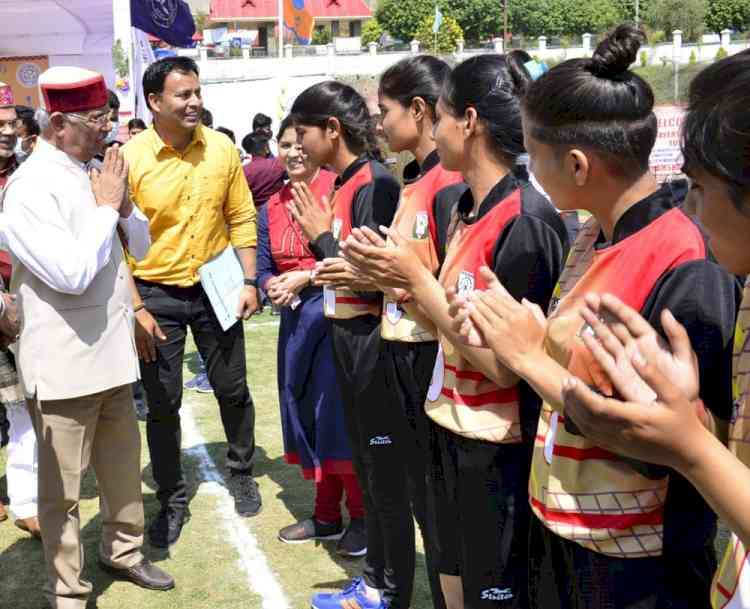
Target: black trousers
(483,514)
(565,575)
(356,346)
(4,426)
(175,310)
(395,435)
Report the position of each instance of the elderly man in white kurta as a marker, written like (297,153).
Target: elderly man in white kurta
(76,350)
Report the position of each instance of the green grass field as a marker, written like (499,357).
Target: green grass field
(206,562)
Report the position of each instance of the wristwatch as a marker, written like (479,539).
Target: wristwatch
(253,281)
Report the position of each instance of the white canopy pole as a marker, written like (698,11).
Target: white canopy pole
(281,28)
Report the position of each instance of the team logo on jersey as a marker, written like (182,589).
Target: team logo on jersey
(496,594)
(465,283)
(421,224)
(336,229)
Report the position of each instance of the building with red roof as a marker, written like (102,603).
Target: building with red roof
(341,17)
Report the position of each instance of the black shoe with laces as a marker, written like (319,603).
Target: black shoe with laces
(167,526)
(354,541)
(244,490)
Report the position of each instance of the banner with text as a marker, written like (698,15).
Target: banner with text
(666,157)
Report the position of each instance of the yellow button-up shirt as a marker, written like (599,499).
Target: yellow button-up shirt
(196,201)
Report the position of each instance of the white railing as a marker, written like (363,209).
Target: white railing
(371,61)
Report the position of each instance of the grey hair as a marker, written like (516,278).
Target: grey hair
(41,116)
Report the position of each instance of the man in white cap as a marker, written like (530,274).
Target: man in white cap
(76,350)
(21,465)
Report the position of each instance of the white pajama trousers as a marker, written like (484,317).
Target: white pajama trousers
(21,467)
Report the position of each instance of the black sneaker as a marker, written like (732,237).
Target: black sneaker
(310,529)
(354,540)
(244,489)
(167,526)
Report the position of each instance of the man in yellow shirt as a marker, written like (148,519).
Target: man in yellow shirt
(188,180)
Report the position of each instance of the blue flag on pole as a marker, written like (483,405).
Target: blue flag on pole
(438,20)
(168,20)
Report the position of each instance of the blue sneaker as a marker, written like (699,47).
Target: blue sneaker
(193,382)
(199,383)
(353,596)
(203,386)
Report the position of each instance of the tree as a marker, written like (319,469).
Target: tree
(537,17)
(321,35)
(592,16)
(559,17)
(685,15)
(401,18)
(447,37)
(201,20)
(479,19)
(626,8)
(728,14)
(371,32)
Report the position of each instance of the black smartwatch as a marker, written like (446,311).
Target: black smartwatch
(251,281)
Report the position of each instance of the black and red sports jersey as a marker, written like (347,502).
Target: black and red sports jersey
(517,233)
(415,220)
(366,194)
(658,258)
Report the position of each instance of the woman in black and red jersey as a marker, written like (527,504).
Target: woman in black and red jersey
(610,531)
(481,412)
(334,128)
(398,430)
(670,429)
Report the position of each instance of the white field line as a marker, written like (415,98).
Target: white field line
(260,324)
(252,561)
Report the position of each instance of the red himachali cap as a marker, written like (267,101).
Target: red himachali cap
(64,89)
(6,95)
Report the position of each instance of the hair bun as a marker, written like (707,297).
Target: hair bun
(520,75)
(616,53)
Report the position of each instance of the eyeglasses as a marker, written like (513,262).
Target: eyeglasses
(96,121)
(12,124)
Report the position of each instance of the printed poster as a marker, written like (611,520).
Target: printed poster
(666,157)
(22,74)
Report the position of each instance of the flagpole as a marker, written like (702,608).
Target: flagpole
(280,27)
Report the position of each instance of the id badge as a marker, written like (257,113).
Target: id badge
(438,376)
(549,440)
(393,312)
(329,301)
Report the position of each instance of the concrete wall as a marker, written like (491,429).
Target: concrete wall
(235,89)
(369,64)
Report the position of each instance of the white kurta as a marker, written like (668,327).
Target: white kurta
(71,279)
(40,237)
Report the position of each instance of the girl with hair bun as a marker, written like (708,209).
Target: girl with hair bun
(610,530)
(482,417)
(716,148)
(334,129)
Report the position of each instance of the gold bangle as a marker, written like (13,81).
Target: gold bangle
(138,307)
